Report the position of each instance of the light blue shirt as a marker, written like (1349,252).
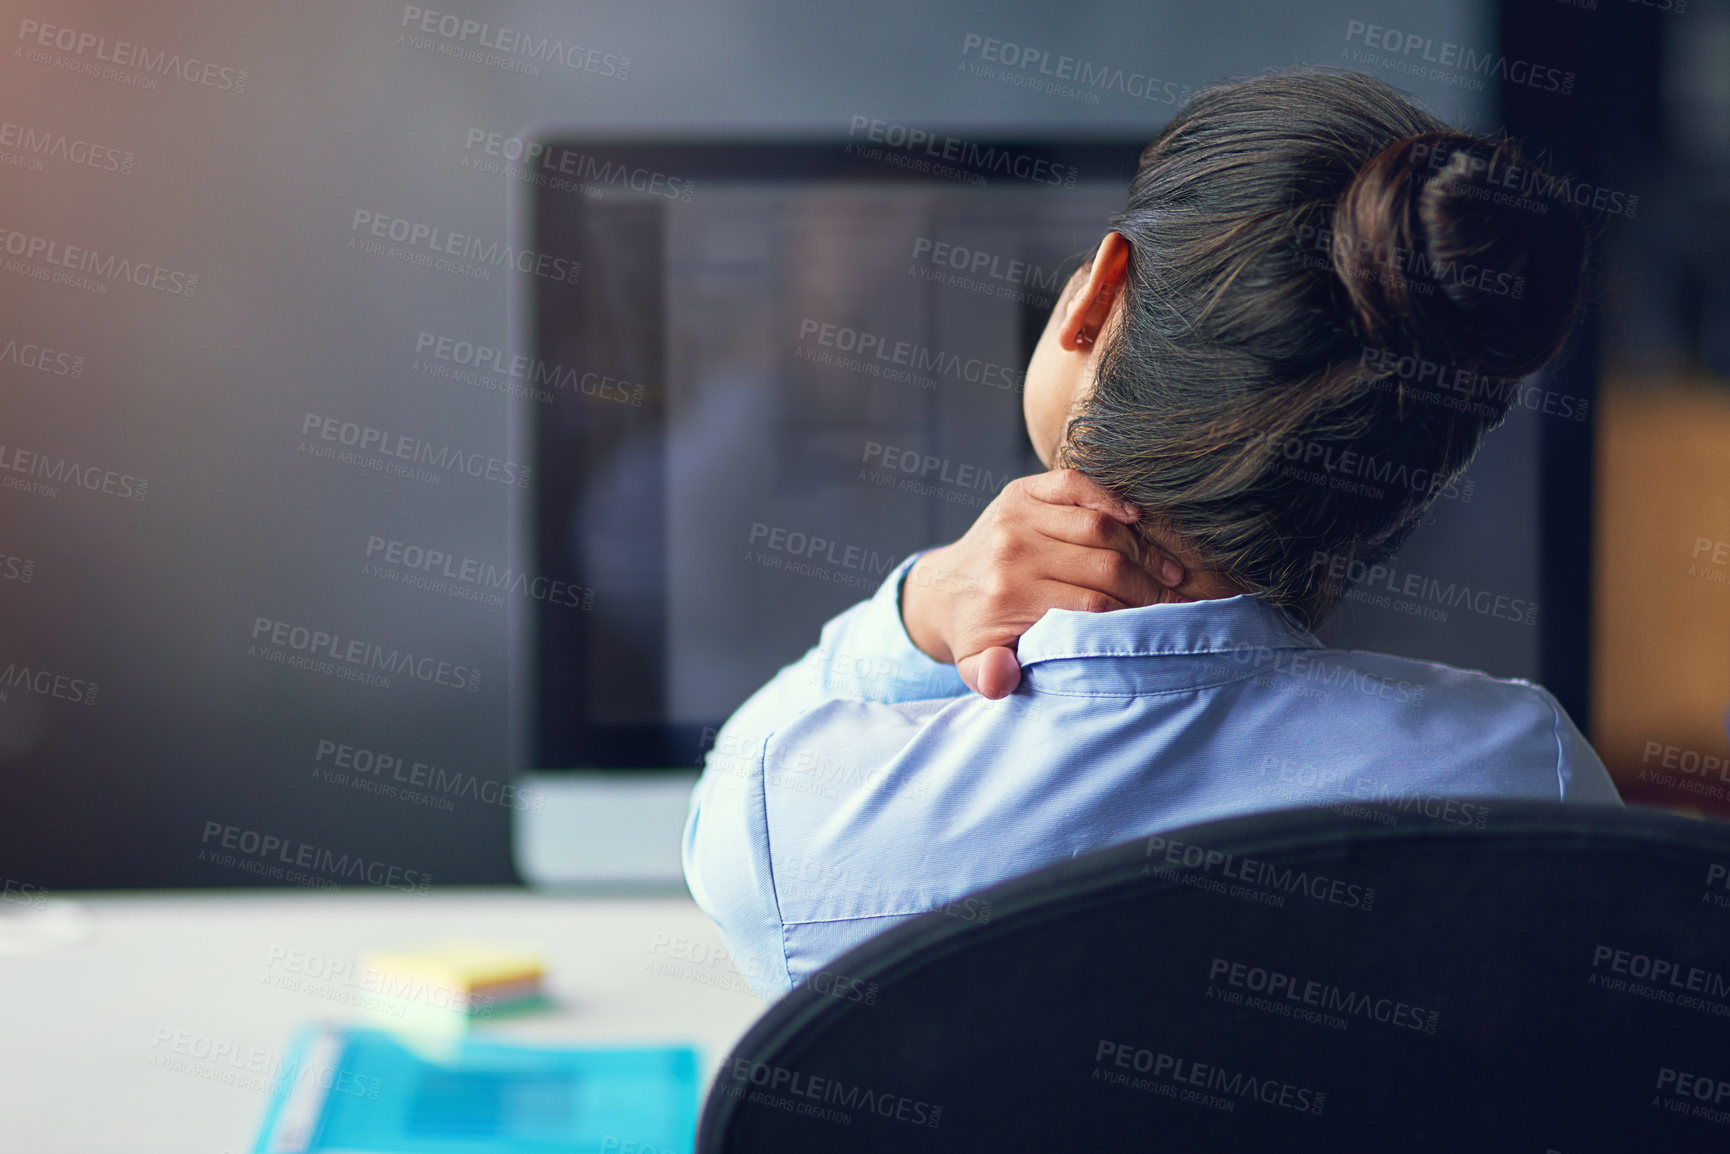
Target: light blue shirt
(866,784)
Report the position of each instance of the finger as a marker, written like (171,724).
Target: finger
(992,673)
(1086,526)
(1102,554)
(1166,569)
(1073,487)
(1107,572)
(1077,525)
(1081,598)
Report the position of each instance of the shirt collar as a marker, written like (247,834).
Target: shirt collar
(1234,632)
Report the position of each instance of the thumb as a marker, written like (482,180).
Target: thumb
(992,673)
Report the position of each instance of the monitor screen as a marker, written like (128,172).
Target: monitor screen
(778,372)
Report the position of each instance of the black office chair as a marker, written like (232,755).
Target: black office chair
(1367,978)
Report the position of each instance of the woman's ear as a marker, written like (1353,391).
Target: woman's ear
(1089,306)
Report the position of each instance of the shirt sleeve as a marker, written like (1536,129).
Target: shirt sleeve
(863,654)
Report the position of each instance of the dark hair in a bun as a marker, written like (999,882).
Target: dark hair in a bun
(1433,205)
(1329,292)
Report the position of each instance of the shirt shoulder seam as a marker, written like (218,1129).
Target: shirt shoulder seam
(769,847)
(1556,732)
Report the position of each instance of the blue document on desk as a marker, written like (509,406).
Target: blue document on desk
(365,1091)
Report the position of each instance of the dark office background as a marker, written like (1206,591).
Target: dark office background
(207,396)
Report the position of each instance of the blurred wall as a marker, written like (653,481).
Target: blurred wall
(173,507)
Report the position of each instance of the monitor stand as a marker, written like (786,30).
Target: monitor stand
(613,830)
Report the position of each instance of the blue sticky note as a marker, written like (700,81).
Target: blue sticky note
(367,1090)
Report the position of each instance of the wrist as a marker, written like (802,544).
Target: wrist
(921,609)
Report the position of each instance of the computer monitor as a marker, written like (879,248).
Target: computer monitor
(782,367)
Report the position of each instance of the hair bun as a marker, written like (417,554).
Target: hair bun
(1452,250)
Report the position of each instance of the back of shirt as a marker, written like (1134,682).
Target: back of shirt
(865,784)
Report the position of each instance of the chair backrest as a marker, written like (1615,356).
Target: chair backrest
(1508,976)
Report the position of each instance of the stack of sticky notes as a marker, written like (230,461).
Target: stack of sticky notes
(447,987)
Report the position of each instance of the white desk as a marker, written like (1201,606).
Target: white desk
(81,1038)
